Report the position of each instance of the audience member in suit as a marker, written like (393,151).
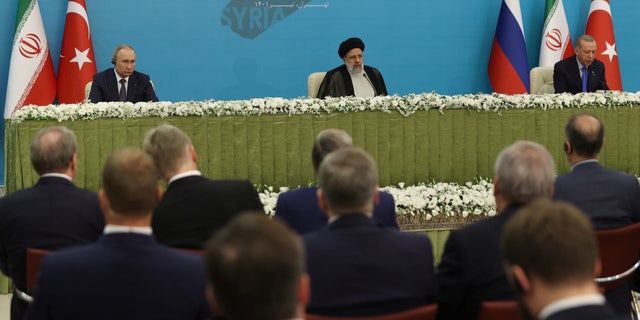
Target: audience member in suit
(53,214)
(358,268)
(352,78)
(568,74)
(193,207)
(299,208)
(107,85)
(126,274)
(471,269)
(551,257)
(609,197)
(256,270)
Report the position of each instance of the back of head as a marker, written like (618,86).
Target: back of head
(348,178)
(168,146)
(52,149)
(327,141)
(254,265)
(130,182)
(525,171)
(585,133)
(553,241)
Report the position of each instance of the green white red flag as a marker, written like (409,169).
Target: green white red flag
(32,79)
(600,27)
(556,39)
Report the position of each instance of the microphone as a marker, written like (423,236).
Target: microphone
(364,74)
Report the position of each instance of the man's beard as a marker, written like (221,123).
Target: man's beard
(355,68)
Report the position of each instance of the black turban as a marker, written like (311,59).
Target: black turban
(349,44)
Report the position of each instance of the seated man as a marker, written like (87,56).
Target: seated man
(358,268)
(610,198)
(53,214)
(581,72)
(193,207)
(256,270)
(551,257)
(471,269)
(299,208)
(126,274)
(122,83)
(353,78)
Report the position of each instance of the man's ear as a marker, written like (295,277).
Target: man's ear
(304,290)
(521,281)
(567,147)
(104,201)
(321,202)
(376,196)
(193,154)
(211,299)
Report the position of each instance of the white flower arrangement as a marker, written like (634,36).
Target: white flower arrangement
(406,105)
(451,201)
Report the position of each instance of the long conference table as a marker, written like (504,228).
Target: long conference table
(454,145)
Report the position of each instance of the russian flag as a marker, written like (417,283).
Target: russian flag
(508,64)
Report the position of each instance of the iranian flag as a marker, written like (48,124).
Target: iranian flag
(31,76)
(77,63)
(600,26)
(556,39)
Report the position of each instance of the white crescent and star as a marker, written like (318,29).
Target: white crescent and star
(81,57)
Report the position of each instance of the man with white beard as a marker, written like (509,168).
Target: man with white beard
(353,78)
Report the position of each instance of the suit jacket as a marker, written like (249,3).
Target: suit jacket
(193,207)
(299,209)
(337,82)
(53,214)
(609,197)
(589,312)
(360,269)
(122,276)
(105,87)
(471,268)
(567,76)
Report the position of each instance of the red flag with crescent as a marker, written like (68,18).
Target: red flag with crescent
(600,26)
(77,62)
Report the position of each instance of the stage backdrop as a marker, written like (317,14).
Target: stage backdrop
(238,49)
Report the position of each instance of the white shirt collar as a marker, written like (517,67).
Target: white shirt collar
(184,175)
(572,302)
(118,77)
(111,228)
(582,162)
(57,175)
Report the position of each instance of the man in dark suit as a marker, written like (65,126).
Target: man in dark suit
(471,268)
(356,267)
(299,208)
(53,214)
(569,74)
(193,207)
(261,256)
(609,197)
(126,274)
(352,78)
(551,255)
(122,83)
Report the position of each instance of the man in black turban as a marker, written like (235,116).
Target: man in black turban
(353,78)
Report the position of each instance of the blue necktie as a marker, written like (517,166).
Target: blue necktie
(123,90)
(584,79)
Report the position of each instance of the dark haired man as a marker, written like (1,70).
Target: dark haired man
(551,256)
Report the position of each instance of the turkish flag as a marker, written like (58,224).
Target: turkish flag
(600,26)
(77,62)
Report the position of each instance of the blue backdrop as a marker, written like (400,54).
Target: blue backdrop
(238,49)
